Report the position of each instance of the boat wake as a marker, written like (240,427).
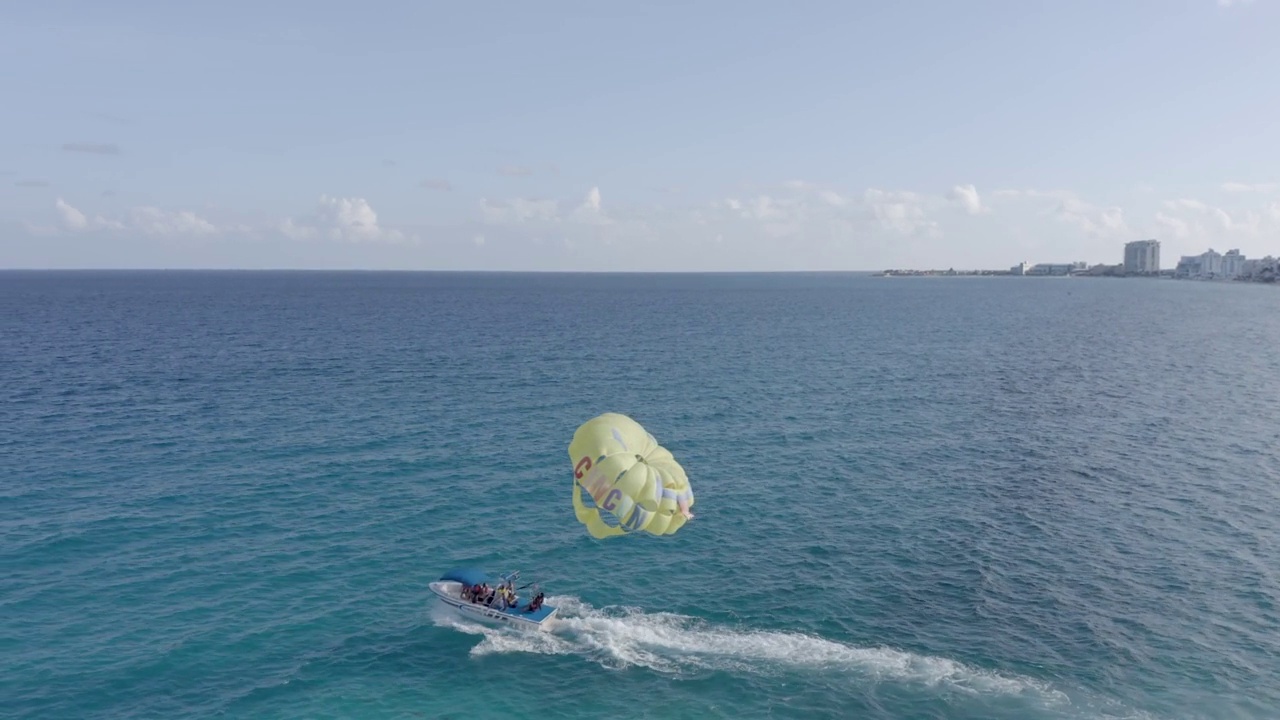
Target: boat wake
(677,644)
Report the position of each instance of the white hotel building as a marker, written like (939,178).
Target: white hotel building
(1142,257)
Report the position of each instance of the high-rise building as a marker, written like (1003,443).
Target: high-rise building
(1207,265)
(1142,257)
(1232,264)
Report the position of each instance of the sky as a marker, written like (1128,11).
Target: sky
(657,135)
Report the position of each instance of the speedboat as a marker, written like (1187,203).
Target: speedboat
(449,588)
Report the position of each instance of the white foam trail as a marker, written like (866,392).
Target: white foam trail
(670,643)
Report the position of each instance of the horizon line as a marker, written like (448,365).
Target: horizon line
(440,270)
(483,271)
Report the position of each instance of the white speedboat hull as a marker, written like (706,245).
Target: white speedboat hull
(449,593)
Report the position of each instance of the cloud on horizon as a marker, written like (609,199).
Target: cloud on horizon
(350,220)
(792,225)
(967,196)
(144,220)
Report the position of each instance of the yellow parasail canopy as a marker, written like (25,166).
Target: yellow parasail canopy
(624,481)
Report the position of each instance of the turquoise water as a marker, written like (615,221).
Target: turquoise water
(223,495)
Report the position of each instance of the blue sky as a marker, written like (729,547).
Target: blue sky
(635,136)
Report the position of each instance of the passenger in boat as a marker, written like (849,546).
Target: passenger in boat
(535,604)
(466,591)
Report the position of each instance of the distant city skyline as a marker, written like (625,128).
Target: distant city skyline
(648,137)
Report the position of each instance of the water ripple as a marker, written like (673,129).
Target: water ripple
(225,493)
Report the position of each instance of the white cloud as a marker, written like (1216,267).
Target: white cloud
(154,221)
(529,212)
(790,225)
(142,220)
(343,219)
(762,207)
(810,213)
(292,230)
(1093,222)
(1177,227)
(353,220)
(591,211)
(833,198)
(1203,220)
(967,196)
(1096,222)
(902,212)
(71,217)
(790,211)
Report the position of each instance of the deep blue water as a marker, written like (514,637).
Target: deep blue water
(223,494)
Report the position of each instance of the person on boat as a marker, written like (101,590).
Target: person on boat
(466,591)
(535,604)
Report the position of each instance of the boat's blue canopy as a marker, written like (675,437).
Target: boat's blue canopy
(470,576)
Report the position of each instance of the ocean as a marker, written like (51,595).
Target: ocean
(223,494)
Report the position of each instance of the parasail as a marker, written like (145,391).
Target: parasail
(624,481)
